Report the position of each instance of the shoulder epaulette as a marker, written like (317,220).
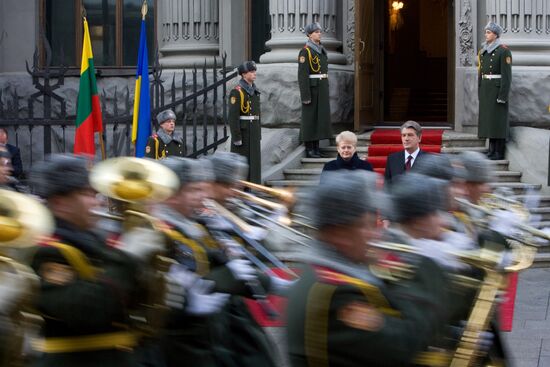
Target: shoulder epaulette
(154,136)
(238,87)
(326,275)
(504,46)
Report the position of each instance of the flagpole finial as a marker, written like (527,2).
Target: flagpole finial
(83,11)
(144,9)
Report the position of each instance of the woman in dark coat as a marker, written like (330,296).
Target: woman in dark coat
(346,144)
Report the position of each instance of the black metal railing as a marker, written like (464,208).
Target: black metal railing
(43,126)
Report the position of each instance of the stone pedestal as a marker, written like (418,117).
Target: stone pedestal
(188,32)
(288,20)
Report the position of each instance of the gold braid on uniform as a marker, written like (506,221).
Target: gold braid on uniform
(244,109)
(199,253)
(312,61)
(316,324)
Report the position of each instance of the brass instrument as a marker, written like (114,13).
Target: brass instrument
(136,182)
(467,353)
(494,203)
(286,196)
(23,222)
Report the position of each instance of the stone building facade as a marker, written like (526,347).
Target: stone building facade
(191,32)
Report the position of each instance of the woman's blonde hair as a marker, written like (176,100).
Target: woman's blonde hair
(346,136)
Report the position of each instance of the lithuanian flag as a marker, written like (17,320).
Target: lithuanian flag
(88,110)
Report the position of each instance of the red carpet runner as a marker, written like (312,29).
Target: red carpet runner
(387,141)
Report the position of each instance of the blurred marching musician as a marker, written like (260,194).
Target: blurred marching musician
(23,221)
(339,313)
(217,330)
(86,287)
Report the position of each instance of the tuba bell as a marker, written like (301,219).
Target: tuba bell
(23,222)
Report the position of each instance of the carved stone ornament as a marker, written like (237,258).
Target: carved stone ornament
(466,37)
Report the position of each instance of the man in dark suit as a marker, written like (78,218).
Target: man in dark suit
(15,153)
(404,160)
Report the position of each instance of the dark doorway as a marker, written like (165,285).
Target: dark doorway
(260,28)
(416,49)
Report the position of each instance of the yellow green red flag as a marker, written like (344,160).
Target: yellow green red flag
(88,109)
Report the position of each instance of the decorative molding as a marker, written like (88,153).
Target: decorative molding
(350,32)
(466,35)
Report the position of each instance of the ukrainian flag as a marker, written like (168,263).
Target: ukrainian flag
(141,126)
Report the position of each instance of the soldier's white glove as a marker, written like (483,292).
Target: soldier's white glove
(142,242)
(501,101)
(178,281)
(242,269)
(306,102)
(505,222)
(238,143)
(200,300)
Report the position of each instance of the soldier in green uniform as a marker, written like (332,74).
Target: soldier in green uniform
(494,79)
(166,142)
(244,120)
(200,332)
(314,91)
(339,313)
(86,287)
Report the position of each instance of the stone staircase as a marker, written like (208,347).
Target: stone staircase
(308,173)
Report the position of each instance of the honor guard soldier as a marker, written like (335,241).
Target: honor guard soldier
(339,313)
(314,91)
(244,120)
(86,287)
(494,80)
(166,142)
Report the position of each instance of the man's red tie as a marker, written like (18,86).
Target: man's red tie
(408,164)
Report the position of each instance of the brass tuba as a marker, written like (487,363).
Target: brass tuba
(134,183)
(23,222)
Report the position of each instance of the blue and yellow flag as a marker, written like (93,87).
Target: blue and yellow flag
(141,126)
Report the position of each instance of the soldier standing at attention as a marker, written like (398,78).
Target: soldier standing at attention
(494,79)
(165,142)
(314,92)
(244,120)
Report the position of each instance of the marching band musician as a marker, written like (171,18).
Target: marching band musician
(203,338)
(86,287)
(339,313)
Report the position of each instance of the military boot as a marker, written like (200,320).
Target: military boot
(310,150)
(492,150)
(316,149)
(500,146)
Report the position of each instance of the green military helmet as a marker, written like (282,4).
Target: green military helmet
(415,195)
(343,197)
(477,167)
(60,174)
(229,167)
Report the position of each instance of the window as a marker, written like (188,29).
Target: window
(114,30)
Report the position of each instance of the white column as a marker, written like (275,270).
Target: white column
(188,32)
(288,20)
(526,25)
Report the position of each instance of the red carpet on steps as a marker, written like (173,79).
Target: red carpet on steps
(393,136)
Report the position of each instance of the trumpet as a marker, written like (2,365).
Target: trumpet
(288,197)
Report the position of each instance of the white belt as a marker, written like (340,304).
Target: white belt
(318,76)
(249,118)
(488,76)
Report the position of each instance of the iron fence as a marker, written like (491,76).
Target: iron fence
(44,126)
